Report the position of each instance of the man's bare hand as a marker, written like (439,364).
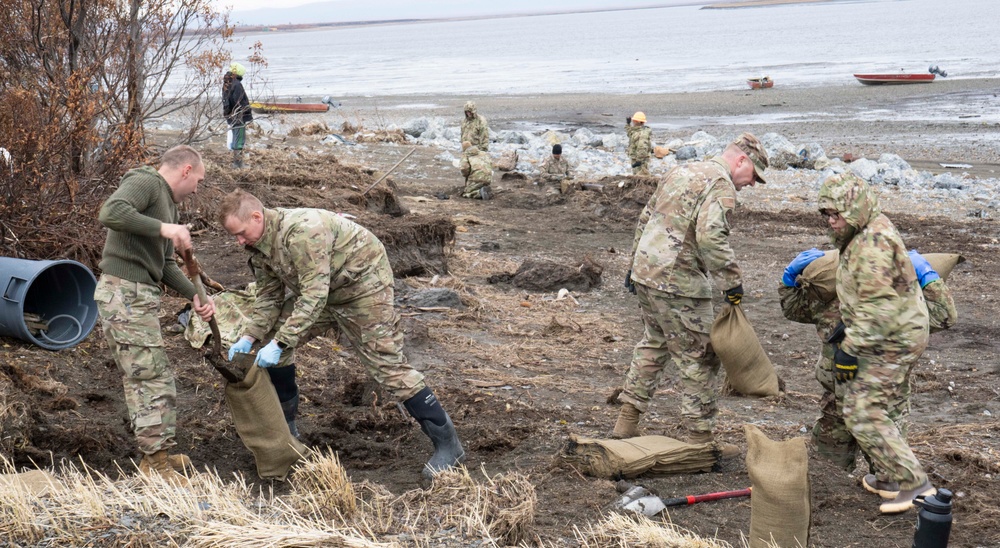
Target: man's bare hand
(205,311)
(179,234)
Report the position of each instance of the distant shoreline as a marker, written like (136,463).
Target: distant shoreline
(255,29)
(758,4)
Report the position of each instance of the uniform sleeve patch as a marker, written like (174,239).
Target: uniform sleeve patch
(728,202)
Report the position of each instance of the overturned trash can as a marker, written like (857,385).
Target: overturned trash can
(48,303)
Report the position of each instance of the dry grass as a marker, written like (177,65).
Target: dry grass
(76,506)
(637,531)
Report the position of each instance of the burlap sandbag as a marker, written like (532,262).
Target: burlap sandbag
(37,482)
(820,276)
(748,368)
(944,263)
(652,455)
(261,425)
(779,507)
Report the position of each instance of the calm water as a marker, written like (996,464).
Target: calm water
(639,51)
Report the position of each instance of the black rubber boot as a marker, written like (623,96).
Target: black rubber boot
(283,379)
(290,409)
(436,423)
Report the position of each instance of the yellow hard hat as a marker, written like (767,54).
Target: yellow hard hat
(237,69)
(639,117)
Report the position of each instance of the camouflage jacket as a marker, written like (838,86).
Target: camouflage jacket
(476,166)
(319,257)
(555,170)
(640,142)
(683,232)
(880,298)
(476,130)
(802,306)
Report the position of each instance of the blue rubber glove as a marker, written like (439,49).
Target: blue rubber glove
(925,272)
(798,264)
(269,355)
(242,346)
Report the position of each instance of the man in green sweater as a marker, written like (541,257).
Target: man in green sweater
(143,232)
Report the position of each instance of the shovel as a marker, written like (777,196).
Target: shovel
(231,371)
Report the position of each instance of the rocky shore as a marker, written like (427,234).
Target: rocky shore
(933,149)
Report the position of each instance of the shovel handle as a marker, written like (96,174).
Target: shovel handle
(692,499)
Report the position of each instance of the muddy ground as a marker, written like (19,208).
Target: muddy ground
(520,372)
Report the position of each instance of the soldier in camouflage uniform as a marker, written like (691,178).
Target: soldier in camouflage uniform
(474,128)
(143,232)
(477,168)
(681,237)
(886,331)
(555,170)
(832,438)
(640,143)
(339,275)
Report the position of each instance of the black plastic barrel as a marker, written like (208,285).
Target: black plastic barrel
(60,293)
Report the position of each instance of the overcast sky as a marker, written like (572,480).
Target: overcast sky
(306,11)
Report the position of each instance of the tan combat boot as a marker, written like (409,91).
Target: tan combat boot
(628,423)
(160,463)
(726,450)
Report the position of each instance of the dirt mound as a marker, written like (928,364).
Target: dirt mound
(416,245)
(550,276)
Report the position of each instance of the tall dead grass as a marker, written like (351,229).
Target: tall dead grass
(74,505)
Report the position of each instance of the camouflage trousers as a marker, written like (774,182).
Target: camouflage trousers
(675,328)
(880,391)
(371,324)
(832,438)
(130,317)
(641,169)
(472,188)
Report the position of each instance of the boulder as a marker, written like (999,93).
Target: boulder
(686,152)
(808,155)
(416,126)
(434,297)
(893,161)
(507,161)
(864,168)
(583,137)
(780,151)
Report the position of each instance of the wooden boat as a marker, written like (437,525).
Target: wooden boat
(287,108)
(760,83)
(900,78)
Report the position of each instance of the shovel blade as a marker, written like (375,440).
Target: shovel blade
(236,370)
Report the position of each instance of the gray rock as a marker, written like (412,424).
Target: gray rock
(780,152)
(894,161)
(808,155)
(512,137)
(887,175)
(686,152)
(947,181)
(585,138)
(864,168)
(614,141)
(434,297)
(416,126)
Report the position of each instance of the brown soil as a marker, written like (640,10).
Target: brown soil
(520,371)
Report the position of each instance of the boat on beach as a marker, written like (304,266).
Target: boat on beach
(900,78)
(760,83)
(287,108)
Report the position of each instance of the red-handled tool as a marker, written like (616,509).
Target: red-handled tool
(692,499)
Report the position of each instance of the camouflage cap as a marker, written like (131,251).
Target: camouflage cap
(751,146)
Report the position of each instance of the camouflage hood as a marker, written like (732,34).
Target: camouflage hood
(854,199)
(470,106)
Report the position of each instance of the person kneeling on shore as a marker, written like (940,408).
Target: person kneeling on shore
(338,274)
(477,168)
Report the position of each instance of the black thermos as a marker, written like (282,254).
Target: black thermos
(933,521)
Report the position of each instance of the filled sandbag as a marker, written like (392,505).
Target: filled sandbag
(749,370)
(36,482)
(261,425)
(661,152)
(820,276)
(944,263)
(779,507)
(650,455)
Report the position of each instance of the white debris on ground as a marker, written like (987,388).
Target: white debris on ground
(796,173)
(801,168)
